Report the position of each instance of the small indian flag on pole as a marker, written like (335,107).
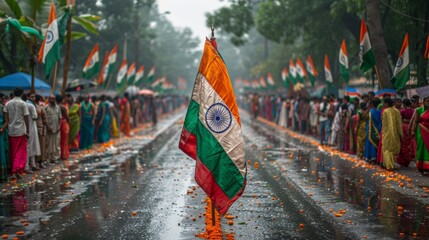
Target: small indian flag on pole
(263,82)
(92,64)
(49,53)
(285,77)
(366,54)
(139,76)
(150,75)
(292,71)
(104,70)
(311,69)
(211,133)
(270,80)
(401,75)
(328,74)
(300,70)
(344,62)
(112,58)
(121,79)
(131,74)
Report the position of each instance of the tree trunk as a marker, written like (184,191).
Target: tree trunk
(422,62)
(378,42)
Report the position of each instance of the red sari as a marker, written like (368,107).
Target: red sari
(64,133)
(408,144)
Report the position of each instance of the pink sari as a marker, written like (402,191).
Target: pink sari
(18,153)
(408,144)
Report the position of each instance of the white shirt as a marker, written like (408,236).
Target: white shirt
(321,117)
(17,109)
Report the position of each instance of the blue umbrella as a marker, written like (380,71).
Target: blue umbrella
(22,80)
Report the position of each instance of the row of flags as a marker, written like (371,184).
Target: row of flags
(49,54)
(297,73)
(127,76)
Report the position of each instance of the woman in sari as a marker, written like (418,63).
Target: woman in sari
(126,116)
(74,122)
(362,118)
(407,152)
(420,128)
(392,134)
(343,136)
(87,124)
(372,132)
(64,129)
(103,134)
(4,143)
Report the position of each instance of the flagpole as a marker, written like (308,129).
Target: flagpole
(378,77)
(55,78)
(68,47)
(213,40)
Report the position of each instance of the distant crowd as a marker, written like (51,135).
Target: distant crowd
(36,132)
(387,131)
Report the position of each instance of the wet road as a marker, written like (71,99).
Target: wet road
(144,189)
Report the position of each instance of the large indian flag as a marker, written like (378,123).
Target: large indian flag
(366,54)
(344,62)
(328,74)
(212,133)
(92,64)
(311,69)
(49,53)
(401,75)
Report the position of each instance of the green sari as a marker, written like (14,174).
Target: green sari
(74,122)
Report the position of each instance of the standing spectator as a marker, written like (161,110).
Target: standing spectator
(74,122)
(114,116)
(373,129)
(103,116)
(53,127)
(126,116)
(408,144)
(17,113)
(87,114)
(33,146)
(419,127)
(41,130)
(392,134)
(64,128)
(4,143)
(325,123)
(362,118)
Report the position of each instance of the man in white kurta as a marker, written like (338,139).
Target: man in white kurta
(33,145)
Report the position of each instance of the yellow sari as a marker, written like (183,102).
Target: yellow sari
(391,137)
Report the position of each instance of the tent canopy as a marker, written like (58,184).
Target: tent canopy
(22,80)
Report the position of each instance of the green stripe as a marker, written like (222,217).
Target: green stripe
(344,73)
(400,80)
(212,155)
(51,58)
(368,61)
(90,72)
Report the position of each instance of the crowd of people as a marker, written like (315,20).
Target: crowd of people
(387,131)
(36,132)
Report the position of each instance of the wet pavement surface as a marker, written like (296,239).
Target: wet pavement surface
(143,188)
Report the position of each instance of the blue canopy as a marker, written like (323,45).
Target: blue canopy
(22,80)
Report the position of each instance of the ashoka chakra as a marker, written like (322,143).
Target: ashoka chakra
(218,118)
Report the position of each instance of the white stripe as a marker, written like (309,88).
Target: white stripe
(231,140)
(402,62)
(48,46)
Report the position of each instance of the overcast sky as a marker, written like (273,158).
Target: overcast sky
(191,13)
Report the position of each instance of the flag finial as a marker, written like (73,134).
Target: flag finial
(213,37)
